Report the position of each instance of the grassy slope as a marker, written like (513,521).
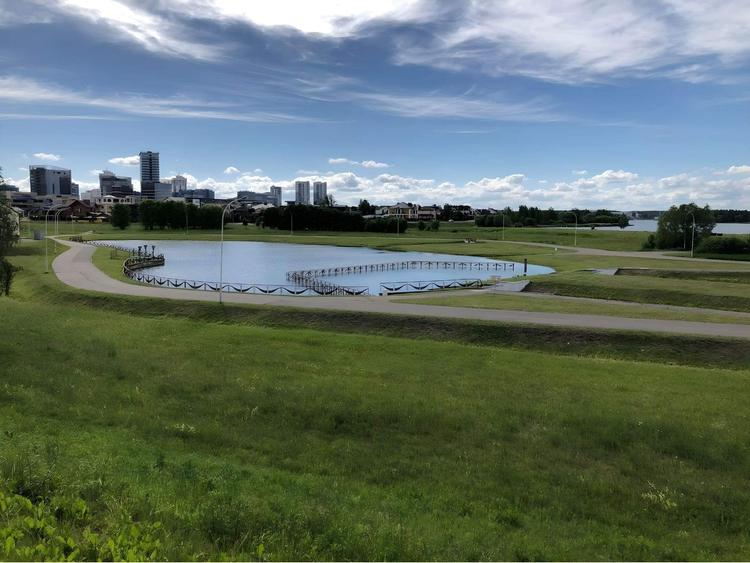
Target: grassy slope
(553,305)
(644,289)
(334,446)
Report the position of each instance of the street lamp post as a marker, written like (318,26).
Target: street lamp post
(221,249)
(692,237)
(46,239)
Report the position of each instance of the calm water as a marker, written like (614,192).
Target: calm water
(650,226)
(268,263)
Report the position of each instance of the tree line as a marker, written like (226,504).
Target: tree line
(167,215)
(315,218)
(534,216)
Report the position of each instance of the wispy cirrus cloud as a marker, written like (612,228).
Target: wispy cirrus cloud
(22,90)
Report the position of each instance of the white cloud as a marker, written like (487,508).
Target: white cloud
(363,163)
(339,160)
(231,170)
(134,160)
(95,172)
(613,189)
(580,172)
(258,171)
(47,156)
(140,25)
(374,164)
(739,169)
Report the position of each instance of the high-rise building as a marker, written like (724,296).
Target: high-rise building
(179,184)
(110,184)
(49,180)
(320,193)
(302,192)
(150,175)
(75,190)
(149,166)
(276,192)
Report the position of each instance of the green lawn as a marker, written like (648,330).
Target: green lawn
(226,433)
(608,240)
(724,295)
(554,305)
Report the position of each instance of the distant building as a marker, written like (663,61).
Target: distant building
(179,184)
(149,166)
(150,176)
(403,211)
(162,191)
(258,198)
(201,193)
(111,184)
(105,203)
(302,192)
(276,191)
(49,180)
(428,212)
(320,193)
(75,190)
(91,195)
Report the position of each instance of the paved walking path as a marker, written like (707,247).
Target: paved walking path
(74,268)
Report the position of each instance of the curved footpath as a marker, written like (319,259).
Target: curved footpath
(75,268)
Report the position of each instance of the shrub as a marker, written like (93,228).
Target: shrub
(724,245)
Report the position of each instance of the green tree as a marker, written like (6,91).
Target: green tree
(8,237)
(435,225)
(120,216)
(148,214)
(421,226)
(622,221)
(675,228)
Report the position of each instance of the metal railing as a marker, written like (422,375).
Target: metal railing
(430,285)
(308,282)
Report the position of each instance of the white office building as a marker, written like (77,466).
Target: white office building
(302,192)
(320,192)
(276,192)
(179,184)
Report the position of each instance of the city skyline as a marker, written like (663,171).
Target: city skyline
(642,110)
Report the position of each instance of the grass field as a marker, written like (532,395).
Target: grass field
(607,240)
(184,431)
(724,295)
(554,305)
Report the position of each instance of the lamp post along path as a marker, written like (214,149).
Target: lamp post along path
(227,207)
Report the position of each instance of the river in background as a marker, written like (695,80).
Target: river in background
(649,225)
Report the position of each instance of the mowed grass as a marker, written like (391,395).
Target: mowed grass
(601,239)
(251,442)
(537,303)
(724,295)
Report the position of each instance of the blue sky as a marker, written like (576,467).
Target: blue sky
(623,104)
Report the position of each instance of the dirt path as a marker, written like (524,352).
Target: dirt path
(74,268)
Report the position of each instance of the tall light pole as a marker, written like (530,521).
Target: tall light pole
(575,233)
(221,249)
(503,226)
(692,237)
(46,239)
